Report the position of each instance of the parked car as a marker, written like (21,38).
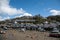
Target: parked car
(5,28)
(22,30)
(41,29)
(54,33)
(34,27)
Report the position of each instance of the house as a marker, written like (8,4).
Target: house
(24,21)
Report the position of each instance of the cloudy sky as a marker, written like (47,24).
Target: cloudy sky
(17,8)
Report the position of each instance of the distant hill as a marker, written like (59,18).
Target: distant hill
(39,19)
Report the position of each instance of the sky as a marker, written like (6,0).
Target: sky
(18,8)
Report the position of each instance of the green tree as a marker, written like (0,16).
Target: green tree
(54,18)
(38,18)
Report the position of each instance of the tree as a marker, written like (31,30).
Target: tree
(54,18)
(38,18)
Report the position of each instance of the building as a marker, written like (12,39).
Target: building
(24,21)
